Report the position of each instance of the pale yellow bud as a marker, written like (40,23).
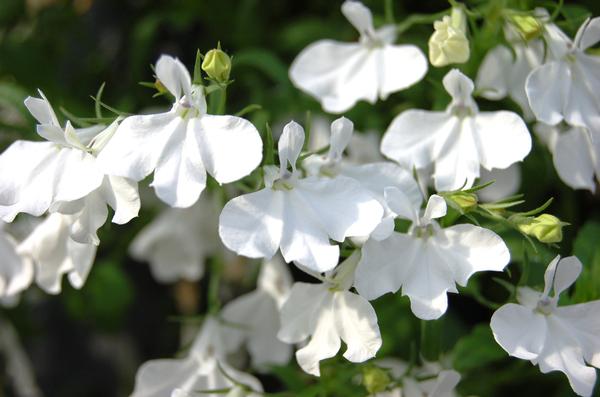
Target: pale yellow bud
(217,65)
(449,44)
(375,379)
(527,26)
(546,228)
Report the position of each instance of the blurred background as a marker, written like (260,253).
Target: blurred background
(91,342)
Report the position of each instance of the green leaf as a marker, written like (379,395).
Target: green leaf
(477,350)
(587,249)
(265,61)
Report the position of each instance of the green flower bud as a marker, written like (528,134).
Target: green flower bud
(546,228)
(464,200)
(528,27)
(217,65)
(375,379)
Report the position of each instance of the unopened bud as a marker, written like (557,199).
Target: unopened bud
(375,379)
(217,65)
(546,228)
(528,27)
(464,200)
(160,87)
(448,43)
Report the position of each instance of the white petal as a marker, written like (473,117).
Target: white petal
(325,340)
(583,322)
(567,271)
(459,86)
(506,183)
(436,208)
(473,249)
(402,66)
(231,146)
(275,279)
(252,224)
(573,160)
(358,15)
(299,311)
(158,378)
(77,176)
(81,257)
(401,205)
(341,133)
(290,145)
(445,384)
(547,100)
(41,110)
(583,100)
(136,146)
(174,76)
(493,73)
(356,324)
(180,175)
(16,272)
(123,197)
(588,34)
(87,221)
(337,74)
(415,137)
(520,331)
(503,139)
(384,229)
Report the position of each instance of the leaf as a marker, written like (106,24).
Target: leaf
(477,350)
(265,61)
(587,249)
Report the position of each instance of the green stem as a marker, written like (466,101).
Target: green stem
(430,340)
(214,303)
(417,19)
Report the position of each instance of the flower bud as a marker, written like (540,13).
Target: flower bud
(464,200)
(449,43)
(375,379)
(528,27)
(546,228)
(217,65)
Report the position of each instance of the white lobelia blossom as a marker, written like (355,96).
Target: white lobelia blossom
(504,71)
(555,338)
(340,74)
(298,215)
(374,177)
(573,94)
(254,317)
(448,43)
(64,176)
(16,271)
(178,242)
(53,251)
(181,145)
(428,261)
(458,141)
(328,313)
(430,380)
(200,373)
(575,153)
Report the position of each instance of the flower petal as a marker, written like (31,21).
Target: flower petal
(492,77)
(174,76)
(290,145)
(583,322)
(341,133)
(402,66)
(158,378)
(358,15)
(356,323)
(252,224)
(298,311)
(16,272)
(573,160)
(123,197)
(588,34)
(548,100)
(520,331)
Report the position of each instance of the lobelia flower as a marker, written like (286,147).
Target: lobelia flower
(448,43)
(374,177)
(458,141)
(64,176)
(298,215)
(181,145)
(428,261)
(200,373)
(555,338)
(16,271)
(573,94)
(254,317)
(178,242)
(504,70)
(575,153)
(328,313)
(340,74)
(439,382)
(54,252)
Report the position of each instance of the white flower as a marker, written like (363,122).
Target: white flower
(457,141)
(328,313)
(439,382)
(340,74)
(575,152)
(178,242)
(555,338)
(448,43)
(204,369)
(428,261)
(566,87)
(254,317)
(16,271)
(506,183)
(298,215)
(181,145)
(64,176)
(54,253)
(374,177)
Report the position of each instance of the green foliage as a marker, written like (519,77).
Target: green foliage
(587,249)
(476,350)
